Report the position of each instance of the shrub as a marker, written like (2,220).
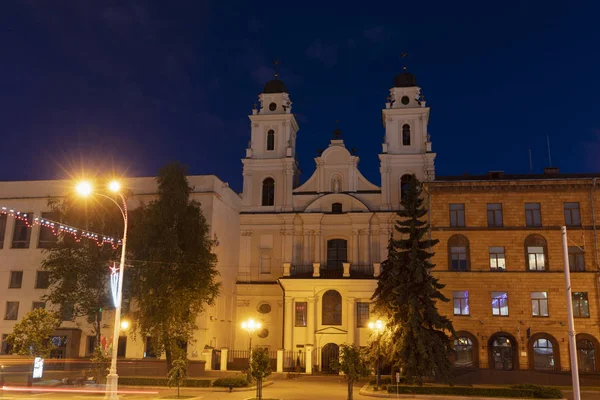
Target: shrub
(234,381)
(528,391)
(541,392)
(137,381)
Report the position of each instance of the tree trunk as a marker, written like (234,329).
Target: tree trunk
(350,389)
(97,329)
(177,390)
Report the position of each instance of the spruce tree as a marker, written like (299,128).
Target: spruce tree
(407,294)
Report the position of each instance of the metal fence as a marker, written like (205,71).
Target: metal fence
(294,361)
(361,271)
(238,360)
(302,270)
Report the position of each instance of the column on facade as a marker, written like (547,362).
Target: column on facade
(365,243)
(383,242)
(306,247)
(355,259)
(350,319)
(288,326)
(317,257)
(310,320)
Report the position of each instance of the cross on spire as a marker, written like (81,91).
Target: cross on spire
(337,133)
(276,68)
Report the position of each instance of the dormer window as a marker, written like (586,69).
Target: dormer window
(406,135)
(336,208)
(271,140)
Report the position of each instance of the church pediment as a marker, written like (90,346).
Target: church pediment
(348,203)
(331,330)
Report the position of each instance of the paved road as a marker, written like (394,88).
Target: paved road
(307,387)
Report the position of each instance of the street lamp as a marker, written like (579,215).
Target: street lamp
(250,326)
(85,189)
(378,327)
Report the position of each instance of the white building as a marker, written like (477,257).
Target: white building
(301,258)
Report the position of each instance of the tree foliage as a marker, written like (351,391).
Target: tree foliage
(407,293)
(178,374)
(173,273)
(353,363)
(31,335)
(79,271)
(260,367)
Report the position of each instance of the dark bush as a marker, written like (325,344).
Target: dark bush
(138,381)
(541,392)
(234,381)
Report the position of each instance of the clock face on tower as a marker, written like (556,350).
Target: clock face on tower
(405,100)
(272,106)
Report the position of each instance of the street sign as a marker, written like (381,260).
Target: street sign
(397,377)
(38,367)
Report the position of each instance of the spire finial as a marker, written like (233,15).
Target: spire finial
(337,133)
(404,56)
(276,68)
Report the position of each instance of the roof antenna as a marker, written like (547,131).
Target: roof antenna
(276,68)
(549,155)
(530,163)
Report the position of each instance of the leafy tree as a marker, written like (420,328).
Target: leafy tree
(101,360)
(31,335)
(260,367)
(178,374)
(407,294)
(173,271)
(79,270)
(353,363)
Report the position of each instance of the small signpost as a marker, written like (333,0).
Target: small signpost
(38,367)
(397,382)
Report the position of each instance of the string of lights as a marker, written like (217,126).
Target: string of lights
(57,228)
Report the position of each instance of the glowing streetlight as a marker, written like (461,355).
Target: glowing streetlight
(84,188)
(125,325)
(112,380)
(378,327)
(250,326)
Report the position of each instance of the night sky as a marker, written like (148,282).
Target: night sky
(131,85)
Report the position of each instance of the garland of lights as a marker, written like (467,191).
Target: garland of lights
(57,228)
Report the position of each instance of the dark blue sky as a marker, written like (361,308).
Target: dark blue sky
(132,85)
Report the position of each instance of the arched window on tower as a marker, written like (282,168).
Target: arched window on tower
(406,135)
(332,308)
(271,140)
(268,192)
(405,183)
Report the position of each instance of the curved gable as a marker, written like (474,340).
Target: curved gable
(349,203)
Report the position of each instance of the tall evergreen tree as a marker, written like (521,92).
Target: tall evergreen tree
(173,273)
(407,293)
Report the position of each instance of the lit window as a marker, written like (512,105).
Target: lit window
(461,302)
(301,313)
(500,303)
(497,260)
(536,250)
(463,350)
(539,304)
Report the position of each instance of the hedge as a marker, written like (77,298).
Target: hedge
(234,381)
(527,391)
(136,381)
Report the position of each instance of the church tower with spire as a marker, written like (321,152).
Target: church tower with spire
(270,168)
(406,148)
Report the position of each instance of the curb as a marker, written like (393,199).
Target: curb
(242,389)
(364,392)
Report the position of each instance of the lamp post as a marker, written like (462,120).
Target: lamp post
(378,328)
(250,326)
(85,189)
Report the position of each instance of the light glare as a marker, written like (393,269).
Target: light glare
(124,325)
(114,186)
(84,188)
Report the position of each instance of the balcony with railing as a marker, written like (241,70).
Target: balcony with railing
(322,271)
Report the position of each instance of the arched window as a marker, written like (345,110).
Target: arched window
(406,135)
(405,183)
(536,253)
(271,140)
(336,208)
(543,354)
(463,350)
(268,192)
(458,253)
(265,263)
(586,355)
(332,308)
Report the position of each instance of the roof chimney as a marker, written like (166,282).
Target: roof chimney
(496,174)
(551,171)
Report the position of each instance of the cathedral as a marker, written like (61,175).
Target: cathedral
(303,259)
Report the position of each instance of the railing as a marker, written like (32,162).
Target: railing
(361,271)
(302,270)
(237,360)
(331,272)
(294,361)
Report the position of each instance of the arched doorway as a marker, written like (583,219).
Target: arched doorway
(544,353)
(466,354)
(329,352)
(502,348)
(587,345)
